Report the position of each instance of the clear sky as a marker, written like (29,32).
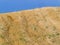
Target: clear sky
(16,5)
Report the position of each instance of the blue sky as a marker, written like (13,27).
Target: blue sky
(18,5)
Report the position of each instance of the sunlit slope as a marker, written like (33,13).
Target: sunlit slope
(39,26)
